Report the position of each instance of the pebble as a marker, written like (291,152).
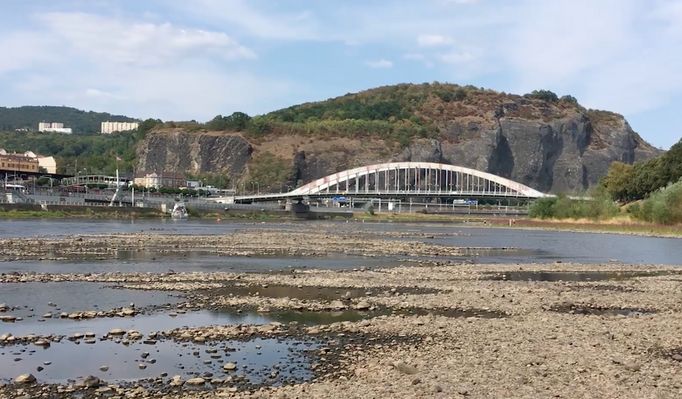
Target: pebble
(25,379)
(404,368)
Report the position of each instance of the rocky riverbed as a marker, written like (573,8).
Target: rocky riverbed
(262,242)
(431,327)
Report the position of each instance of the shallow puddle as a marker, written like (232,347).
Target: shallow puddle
(141,261)
(259,361)
(316,318)
(454,312)
(143,323)
(569,276)
(601,311)
(312,293)
(32,300)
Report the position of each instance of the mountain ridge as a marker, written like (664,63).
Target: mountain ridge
(548,142)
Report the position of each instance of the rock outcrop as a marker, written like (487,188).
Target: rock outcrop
(551,146)
(180,152)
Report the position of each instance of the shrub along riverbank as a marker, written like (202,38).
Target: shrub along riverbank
(649,191)
(663,206)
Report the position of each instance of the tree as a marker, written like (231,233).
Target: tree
(617,181)
(545,95)
(238,121)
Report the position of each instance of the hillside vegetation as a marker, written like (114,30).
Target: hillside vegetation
(651,191)
(82,122)
(397,113)
(90,153)
(406,111)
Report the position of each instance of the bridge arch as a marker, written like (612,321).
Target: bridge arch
(417,177)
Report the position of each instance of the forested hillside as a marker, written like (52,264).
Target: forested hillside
(82,122)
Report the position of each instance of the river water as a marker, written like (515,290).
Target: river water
(531,245)
(257,358)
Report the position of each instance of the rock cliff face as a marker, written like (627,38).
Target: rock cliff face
(179,152)
(550,147)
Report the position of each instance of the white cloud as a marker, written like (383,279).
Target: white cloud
(98,94)
(24,49)
(254,21)
(380,64)
(109,40)
(433,40)
(136,68)
(457,57)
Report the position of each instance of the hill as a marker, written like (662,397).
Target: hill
(548,142)
(82,122)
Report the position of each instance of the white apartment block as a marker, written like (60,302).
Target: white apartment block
(111,127)
(53,127)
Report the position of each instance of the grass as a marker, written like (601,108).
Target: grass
(621,225)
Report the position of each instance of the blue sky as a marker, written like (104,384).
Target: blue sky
(180,60)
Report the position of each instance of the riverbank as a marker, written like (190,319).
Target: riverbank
(434,330)
(616,226)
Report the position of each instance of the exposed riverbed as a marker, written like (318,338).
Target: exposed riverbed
(336,310)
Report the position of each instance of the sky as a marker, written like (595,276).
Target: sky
(183,60)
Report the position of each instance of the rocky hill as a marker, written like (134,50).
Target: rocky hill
(549,143)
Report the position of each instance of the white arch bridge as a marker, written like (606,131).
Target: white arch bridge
(406,180)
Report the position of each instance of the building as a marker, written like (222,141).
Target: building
(111,127)
(18,162)
(49,164)
(153,180)
(53,127)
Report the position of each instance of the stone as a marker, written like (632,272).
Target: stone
(229,366)
(362,305)
(631,365)
(103,368)
(25,379)
(405,368)
(176,381)
(195,381)
(91,382)
(117,331)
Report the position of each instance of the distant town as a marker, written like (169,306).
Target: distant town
(107,127)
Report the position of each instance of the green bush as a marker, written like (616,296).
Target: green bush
(600,206)
(663,206)
(543,208)
(635,182)
(545,95)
